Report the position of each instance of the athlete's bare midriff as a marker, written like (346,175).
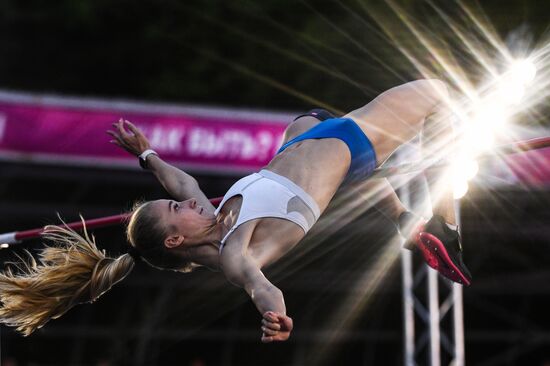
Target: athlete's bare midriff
(318,166)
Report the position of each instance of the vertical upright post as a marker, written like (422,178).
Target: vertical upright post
(433,308)
(458,321)
(428,311)
(408,296)
(458,311)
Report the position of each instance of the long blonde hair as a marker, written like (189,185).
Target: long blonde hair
(71,271)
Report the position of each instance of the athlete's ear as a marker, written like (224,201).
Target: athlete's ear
(173,241)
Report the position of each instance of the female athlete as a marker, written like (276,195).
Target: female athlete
(260,219)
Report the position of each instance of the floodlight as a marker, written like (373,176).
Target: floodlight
(460,188)
(523,71)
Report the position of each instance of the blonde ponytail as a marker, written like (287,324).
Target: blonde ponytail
(72,271)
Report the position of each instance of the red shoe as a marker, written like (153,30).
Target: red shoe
(442,250)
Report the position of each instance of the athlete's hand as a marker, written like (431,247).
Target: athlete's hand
(275,327)
(132,141)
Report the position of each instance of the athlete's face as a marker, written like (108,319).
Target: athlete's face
(185,220)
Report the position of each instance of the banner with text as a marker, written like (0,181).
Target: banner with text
(56,133)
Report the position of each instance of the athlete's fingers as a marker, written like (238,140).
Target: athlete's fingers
(121,130)
(271,317)
(133,128)
(285,321)
(112,133)
(271,325)
(269,332)
(118,139)
(266,339)
(117,131)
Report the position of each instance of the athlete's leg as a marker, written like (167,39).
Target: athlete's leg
(397,115)
(437,140)
(440,241)
(401,113)
(304,122)
(394,118)
(380,194)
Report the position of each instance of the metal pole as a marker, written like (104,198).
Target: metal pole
(458,320)
(433,300)
(458,310)
(408,307)
(408,295)
(19,236)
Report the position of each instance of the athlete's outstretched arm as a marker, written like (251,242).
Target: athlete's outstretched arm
(177,183)
(241,270)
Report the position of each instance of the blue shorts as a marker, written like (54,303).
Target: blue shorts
(363,157)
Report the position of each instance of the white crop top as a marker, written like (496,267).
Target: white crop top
(267,194)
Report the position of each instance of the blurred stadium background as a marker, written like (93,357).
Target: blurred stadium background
(235,73)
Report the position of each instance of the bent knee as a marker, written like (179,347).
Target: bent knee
(435,89)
